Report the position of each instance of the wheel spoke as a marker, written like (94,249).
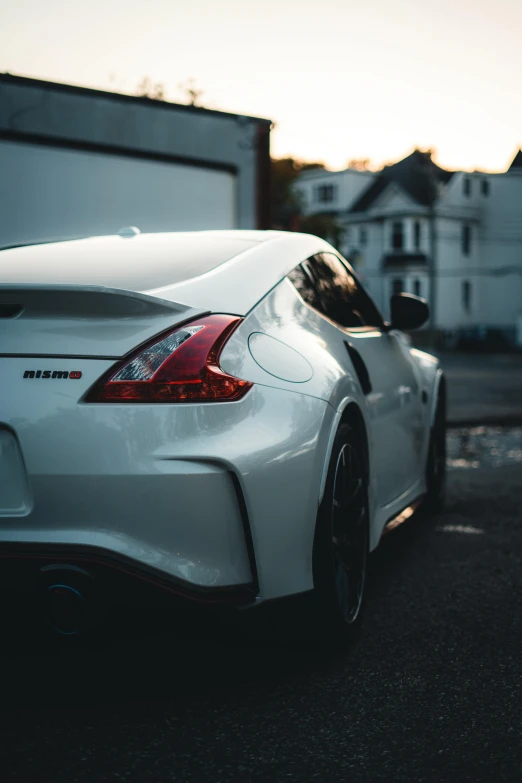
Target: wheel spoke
(349,515)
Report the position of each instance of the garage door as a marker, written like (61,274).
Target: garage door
(51,192)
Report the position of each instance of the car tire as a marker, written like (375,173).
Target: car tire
(436,461)
(342,541)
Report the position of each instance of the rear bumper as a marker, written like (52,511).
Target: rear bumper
(112,579)
(210,498)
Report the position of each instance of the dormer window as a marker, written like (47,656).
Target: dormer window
(466,186)
(324,194)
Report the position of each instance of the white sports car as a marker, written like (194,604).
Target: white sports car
(223,414)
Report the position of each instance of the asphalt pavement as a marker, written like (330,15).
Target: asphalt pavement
(431,692)
(483,388)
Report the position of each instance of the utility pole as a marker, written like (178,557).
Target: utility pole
(433,274)
(433,255)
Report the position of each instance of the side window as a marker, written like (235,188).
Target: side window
(341,296)
(303,282)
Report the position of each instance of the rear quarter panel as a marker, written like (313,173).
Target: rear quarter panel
(284,316)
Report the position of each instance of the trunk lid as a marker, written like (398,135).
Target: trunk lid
(82,321)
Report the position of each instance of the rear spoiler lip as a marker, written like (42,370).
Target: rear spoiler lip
(152,304)
(83,321)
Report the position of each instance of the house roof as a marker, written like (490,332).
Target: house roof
(516,163)
(417,174)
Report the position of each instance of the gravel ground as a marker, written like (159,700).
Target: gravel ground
(432,691)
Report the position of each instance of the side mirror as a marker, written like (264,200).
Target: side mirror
(408,312)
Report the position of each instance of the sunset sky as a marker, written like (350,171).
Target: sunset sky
(341,79)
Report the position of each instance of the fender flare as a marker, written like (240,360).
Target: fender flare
(334,426)
(439,379)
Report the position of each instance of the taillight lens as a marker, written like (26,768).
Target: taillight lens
(182,366)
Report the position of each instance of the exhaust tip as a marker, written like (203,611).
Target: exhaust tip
(66,609)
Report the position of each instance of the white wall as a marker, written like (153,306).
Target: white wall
(452,194)
(501,247)
(369,266)
(453,267)
(49,192)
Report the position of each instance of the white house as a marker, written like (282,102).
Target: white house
(453,237)
(76,162)
(331,192)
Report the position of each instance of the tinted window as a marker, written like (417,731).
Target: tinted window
(304,285)
(341,297)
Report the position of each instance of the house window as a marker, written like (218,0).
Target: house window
(397,285)
(325,194)
(466,240)
(466,186)
(363,236)
(484,186)
(417,235)
(417,288)
(397,235)
(466,295)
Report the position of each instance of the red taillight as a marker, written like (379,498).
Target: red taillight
(181,366)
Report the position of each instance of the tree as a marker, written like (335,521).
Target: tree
(322,225)
(286,205)
(191,91)
(360,164)
(148,89)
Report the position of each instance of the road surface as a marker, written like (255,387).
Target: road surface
(485,388)
(432,692)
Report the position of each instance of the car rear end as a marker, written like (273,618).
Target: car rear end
(113,470)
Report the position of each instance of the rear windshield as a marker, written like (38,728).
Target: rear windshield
(142,263)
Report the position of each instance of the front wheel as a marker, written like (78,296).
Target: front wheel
(436,463)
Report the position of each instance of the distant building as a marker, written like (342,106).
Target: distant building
(78,162)
(453,237)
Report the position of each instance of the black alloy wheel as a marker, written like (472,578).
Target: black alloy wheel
(342,539)
(436,464)
(349,532)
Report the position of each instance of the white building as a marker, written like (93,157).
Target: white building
(77,162)
(331,192)
(452,237)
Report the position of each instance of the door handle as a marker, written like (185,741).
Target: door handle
(360,368)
